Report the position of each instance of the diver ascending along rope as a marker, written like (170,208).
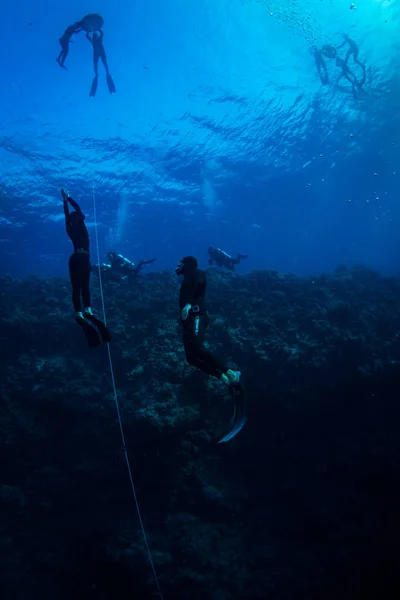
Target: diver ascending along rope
(92,24)
(194,321)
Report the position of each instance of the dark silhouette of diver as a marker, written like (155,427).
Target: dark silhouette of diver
(79,272)
(194,321)
(353,51)
(65,41)
(222,259)
(320,64)
(349,75)
(120,267)
(98,52)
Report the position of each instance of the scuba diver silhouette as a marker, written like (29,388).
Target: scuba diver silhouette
(222,259)
(119,267)
(65,40)
(320,64)
(98,52)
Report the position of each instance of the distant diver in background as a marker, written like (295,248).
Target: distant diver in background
(65,41)
(120,267)
(98,52)
(194,321)
(222,259)
(320,64)
(79,271)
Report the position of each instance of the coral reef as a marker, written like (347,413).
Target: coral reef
(302,504)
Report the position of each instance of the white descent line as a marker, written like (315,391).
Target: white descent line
(128,464)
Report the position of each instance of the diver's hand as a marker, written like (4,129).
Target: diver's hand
(185,312)
(64,194)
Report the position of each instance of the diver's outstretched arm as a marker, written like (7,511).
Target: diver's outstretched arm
(72,202)
(66,209)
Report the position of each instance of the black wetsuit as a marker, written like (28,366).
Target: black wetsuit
(321,66)
(193,291)
(65,40)
(99,53)
(79,262)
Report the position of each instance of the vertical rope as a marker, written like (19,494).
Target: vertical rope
(128,464)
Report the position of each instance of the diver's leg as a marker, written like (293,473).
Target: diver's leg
(66,52)
(364,77)
(74,275)
(319,69)
(109,79)
(88,314)
(104,61)
(196,353)
(85,282)
(93,88)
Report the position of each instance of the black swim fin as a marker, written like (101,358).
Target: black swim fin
(90,332)
(105,334)
(93,89)
(110,84)
(239,416)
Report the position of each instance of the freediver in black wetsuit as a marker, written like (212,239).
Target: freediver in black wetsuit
(222,259)
(353,51)
(99,52)
(65,41)
(321,65)
(79,272)
(194,321)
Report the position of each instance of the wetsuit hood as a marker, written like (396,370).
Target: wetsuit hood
(187,265)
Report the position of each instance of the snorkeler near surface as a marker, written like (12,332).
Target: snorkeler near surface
(65,40)
(194,321)
(222,259)
(352,51)
(321,65)
(329,51)
(120,267)
(90,22)
(79,272)
(99,53)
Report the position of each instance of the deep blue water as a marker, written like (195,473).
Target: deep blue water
(220,133)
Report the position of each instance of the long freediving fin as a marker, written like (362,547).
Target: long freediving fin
(93,88)
(90,332)
(110,84)
(103,330)
(239,416)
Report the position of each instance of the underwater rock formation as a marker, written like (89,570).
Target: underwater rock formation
(302,504)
